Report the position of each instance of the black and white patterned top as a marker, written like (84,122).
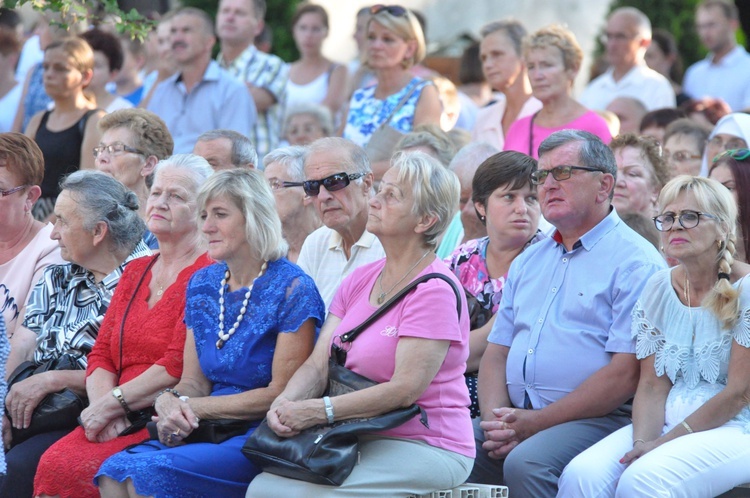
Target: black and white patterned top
(66,307)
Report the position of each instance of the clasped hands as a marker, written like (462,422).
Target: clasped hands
(175,420)
(289,418)
(507,428)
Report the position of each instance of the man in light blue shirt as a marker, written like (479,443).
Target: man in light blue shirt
(560,366)
(201,96)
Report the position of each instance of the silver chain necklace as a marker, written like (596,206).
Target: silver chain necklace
(381,296)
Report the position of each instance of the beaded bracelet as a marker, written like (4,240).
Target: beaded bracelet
(169,390)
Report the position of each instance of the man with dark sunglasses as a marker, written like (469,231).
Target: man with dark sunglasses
(338,179)
(560,366)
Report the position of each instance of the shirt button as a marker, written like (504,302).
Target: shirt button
(528,386)
(540,320)
(565,260)
(531,351)
(554,289)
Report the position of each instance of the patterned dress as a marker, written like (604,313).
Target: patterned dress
(281,301)
(367,113)
(151,336)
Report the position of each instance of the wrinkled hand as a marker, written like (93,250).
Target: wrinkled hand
(288,418)
(23,397)
(98,415)
(525,423)
(509,427)
(175,420)
(638,451)
(7,434)
(111,430)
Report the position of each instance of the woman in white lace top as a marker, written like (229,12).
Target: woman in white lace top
(691,421)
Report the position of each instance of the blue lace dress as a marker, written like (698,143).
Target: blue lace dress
(281,301)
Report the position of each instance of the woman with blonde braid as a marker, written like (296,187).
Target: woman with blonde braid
(691,422)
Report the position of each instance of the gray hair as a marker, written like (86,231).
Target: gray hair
(320,112)
(101,198)
(592,152)
(250,192)
(640,20)
(512,28)
(243,151)
(436,189)
(430,137)
(468,158)
(357,157)
(292,158)
(197,166)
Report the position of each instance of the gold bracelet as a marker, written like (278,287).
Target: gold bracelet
(687,427)
(638,441)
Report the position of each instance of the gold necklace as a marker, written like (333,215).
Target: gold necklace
(381,296)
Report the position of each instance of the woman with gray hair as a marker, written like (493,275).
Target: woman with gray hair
(99,232)
(306,122)
(284,170)
(416,350)
(139,349)
(236,372)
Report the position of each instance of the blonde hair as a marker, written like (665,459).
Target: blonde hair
(556,35)
(406,27)
(712,197)
(78,50)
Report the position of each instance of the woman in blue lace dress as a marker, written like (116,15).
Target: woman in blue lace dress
(505,201)
(252,320)
(691,422)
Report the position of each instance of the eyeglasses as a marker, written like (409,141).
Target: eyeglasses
(617,37)
(687,219)
(331,183)
(277,184)
(730,144)
(13,190)
(559,173)
(680,156)
(115,149)
(394,10)
(738,154)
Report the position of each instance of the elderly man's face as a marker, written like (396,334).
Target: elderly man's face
(217,152)
(337,209)
(190,39)
(623,39)
(570,204)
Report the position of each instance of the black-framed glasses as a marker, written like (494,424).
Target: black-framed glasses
(277,184)
(738,154)
(331,183)
(394,10)
(116,148)
(559,173)
(687,219)
(13,190)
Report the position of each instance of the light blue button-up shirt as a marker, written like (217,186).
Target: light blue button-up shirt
(217,101)
(564,313)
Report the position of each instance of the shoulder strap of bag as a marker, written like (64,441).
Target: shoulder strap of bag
(400,104)
(352,334)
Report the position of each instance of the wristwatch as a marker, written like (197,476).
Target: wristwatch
(329,409)
(117,393)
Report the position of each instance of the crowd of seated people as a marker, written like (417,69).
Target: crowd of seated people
(195,233)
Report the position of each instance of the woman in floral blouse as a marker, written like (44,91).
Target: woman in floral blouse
(505,201)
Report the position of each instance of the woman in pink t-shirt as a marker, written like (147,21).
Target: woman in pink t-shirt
(417,350)
(553,58)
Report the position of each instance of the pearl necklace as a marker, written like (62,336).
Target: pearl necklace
(381,296)
(224,337)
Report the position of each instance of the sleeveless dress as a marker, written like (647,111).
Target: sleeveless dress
(367,113)
(67,468)
(62,155)
(281,301)
(314,92)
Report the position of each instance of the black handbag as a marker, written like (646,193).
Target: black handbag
(326,454)
(216,430)
(56,411)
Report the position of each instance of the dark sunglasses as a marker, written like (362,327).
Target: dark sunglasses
(737,154)
(331,183)
(394,10)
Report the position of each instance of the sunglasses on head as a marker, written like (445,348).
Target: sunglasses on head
(737,154)
(331,183)
(394,10)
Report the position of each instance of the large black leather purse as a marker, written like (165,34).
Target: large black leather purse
(326,454)
(56,411)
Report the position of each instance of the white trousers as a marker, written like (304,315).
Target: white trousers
(706,463)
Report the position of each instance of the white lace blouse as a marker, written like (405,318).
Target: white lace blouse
(689,345)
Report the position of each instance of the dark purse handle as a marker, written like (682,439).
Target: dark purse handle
(352,334)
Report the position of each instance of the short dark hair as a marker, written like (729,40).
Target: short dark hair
(504,168)
(660,118)
(729,9)
(9,18)
(470,70)
(106,43)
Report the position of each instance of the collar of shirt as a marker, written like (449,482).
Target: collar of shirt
(732,58)
(366,240)
(241,60)
(590,238)
(80,274)
(212,73)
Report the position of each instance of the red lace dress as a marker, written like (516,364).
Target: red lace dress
(151,336)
